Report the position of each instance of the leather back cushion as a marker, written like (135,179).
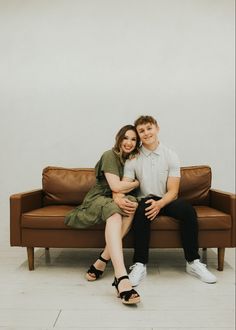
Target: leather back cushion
(69,186)
(66,185)
(195,184)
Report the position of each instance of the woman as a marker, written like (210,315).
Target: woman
(99,206)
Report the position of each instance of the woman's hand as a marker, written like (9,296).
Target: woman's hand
(125,204)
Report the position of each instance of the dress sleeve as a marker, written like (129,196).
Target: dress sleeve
(107,164)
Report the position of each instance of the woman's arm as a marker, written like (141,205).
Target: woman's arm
(124,203)
(119,186)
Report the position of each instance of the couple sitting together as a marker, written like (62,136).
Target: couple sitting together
(141,164)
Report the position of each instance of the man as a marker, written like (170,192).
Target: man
(158,170)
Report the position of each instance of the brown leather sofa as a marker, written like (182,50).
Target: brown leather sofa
(37,217)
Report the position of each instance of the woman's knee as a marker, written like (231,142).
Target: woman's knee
(116,217)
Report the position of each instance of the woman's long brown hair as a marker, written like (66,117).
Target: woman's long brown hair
(120,137)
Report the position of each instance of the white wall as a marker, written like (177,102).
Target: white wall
(72,72)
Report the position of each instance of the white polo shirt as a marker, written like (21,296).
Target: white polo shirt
(152,169)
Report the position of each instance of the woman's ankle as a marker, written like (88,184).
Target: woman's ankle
(100,265)
(124,285)
(105,255)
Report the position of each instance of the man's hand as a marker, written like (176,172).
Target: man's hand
(153,209)
(126,205)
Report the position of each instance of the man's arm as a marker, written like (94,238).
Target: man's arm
(172,193)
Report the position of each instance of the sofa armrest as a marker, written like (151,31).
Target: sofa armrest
(20,203)
(225,202)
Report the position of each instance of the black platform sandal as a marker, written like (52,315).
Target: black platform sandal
(126,296)
(93,270)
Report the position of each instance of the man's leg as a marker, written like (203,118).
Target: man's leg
(185,213)
(141,230)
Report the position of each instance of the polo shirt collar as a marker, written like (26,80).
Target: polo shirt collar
(148,152)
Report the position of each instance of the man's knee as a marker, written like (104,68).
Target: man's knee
(140,220)
(188,209)
(184,205)
(142,206)
(183,210)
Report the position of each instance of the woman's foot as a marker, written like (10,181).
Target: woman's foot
(97,269)
(125,291)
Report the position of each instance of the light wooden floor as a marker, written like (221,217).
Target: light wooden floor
(56,295)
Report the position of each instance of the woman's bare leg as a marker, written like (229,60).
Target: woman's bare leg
(113,235)
(126,225)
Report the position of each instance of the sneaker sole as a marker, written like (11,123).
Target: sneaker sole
(199,277)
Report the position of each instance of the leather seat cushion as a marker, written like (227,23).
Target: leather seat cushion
(52,217)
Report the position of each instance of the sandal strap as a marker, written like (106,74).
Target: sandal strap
(117,281)
(128,294)
(102,259)
(95,271)
(125,295)
(121,278)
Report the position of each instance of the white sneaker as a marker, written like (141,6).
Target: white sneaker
(138,272)
(198,269)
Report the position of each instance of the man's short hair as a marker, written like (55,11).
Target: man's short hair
(142,120)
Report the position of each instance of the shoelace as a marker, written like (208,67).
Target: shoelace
(200,265)
(135,267)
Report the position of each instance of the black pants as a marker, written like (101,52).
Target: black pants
(178,209)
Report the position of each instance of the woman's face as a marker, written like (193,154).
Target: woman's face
(129,142)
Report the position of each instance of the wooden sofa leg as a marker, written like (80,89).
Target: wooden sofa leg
(221,257)
(30,253)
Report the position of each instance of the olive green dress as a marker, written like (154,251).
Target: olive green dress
(98,204)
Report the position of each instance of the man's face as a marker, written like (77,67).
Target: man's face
(148,133)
